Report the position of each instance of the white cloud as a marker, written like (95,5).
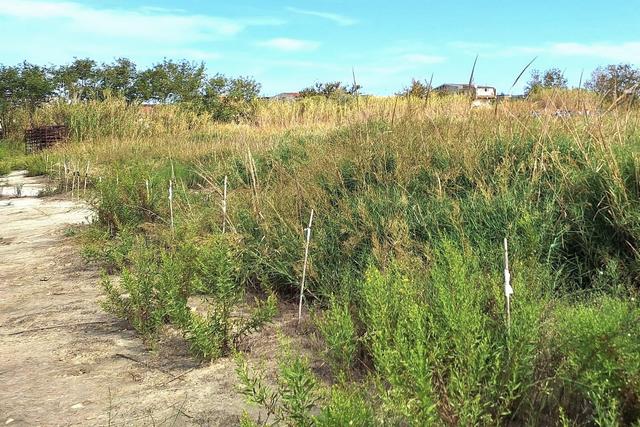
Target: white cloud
(143,24)
(334,17)
(289,45)
(419,58)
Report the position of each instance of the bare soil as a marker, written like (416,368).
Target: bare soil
(64,361)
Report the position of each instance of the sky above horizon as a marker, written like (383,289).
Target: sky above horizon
(288,45)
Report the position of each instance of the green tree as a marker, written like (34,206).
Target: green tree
(169,82)
(613,80)
(23,86)
(35,86)
(119,78)
(330,90)
(9,92)
(417,89)
(79,81)
(228,98)
(553,78)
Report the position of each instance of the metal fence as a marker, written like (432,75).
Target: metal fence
(42,137)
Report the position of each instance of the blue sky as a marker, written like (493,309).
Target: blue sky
(288,45)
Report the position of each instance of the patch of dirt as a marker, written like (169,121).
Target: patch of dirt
(16,184)
(64,361)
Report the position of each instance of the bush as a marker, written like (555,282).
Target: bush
(219,332)
(439,345)
(600,365)
(155,287)
(340,336)
(295,396)
(347,407)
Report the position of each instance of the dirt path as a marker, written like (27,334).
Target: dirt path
(64,361)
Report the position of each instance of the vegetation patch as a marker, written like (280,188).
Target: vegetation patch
(413,198)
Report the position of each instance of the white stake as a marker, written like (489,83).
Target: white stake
(224,206)
(171,201)
(304,266)
(66,177)
(508,290)
(86,174)
(73,182)
(146,183)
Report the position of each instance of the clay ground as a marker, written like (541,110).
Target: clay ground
(64,361)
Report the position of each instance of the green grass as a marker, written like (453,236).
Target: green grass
(13,157)
(406,260)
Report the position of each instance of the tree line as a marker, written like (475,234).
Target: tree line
(611,82)
(29,85)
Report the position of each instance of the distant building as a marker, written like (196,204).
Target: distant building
(286,96)
(454,88)
(485,92)
(478,92)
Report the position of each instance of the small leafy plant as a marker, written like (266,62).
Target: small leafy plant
(292,400)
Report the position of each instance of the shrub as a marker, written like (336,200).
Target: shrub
(155,288)
(340,336)
(295,396)
(218,333)
(347,407)
(600,366)
(439,345)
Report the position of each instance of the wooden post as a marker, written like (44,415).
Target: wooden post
(304,266)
